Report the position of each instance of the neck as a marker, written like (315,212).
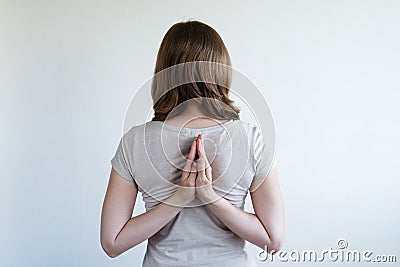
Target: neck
(192,110)
(191,116)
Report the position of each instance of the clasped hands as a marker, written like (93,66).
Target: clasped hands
(196,179)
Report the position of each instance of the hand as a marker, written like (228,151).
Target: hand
(186,192)
(204,189)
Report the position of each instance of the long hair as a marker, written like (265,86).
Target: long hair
(192,42)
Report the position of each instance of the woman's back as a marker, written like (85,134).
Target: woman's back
(194,214)
(148,155)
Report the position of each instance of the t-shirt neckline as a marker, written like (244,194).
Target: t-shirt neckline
(185,129)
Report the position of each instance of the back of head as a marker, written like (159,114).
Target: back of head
(193,64)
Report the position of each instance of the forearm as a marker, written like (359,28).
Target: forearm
(244,224)
(145,225)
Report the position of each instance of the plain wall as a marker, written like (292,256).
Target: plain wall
(68,69)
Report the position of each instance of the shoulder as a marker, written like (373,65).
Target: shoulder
(251,128)
(139,131)
(246,124)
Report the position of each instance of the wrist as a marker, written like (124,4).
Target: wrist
(182,197)
(208,196)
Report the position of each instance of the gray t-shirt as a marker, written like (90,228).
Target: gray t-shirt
(153,154)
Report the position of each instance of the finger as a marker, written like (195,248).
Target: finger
(196,157)
(187,168)
(198,145)
(205,164)
(189,161)
(201,167)
(192,152)
(202,154)
(194,168)
(204,169)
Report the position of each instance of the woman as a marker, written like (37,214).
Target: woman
(201,222)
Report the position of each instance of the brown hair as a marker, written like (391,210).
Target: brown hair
(194,41)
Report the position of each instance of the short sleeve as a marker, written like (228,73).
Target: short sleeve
(120,164)
(264,159)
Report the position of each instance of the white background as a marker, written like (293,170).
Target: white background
(329,69)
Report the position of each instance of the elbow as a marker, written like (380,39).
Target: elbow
(111,254)
(276,242)
(109,250)
(276,239)
(275,245)
(272,243)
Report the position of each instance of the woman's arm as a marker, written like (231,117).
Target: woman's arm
(119,232)
(266,226)
(268,205)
